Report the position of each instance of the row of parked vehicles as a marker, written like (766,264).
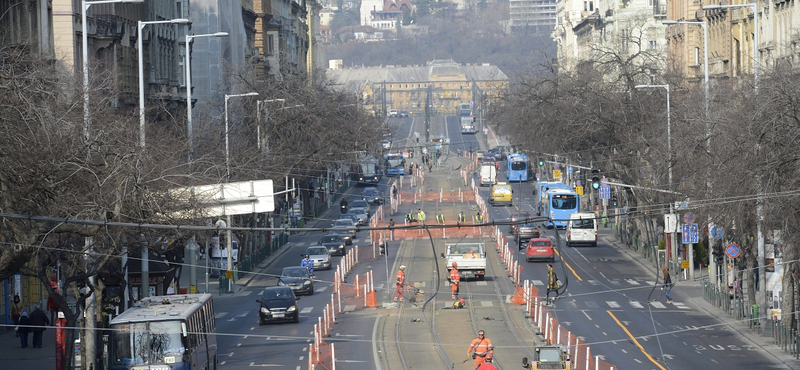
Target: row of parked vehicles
(279,303)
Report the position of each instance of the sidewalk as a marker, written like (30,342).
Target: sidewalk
(692,292)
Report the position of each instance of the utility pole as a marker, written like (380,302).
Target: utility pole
(91,307)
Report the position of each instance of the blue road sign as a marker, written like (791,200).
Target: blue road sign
(569,170)
(538,175)
(717,232)
(688,218)
(605,192)
(733,250)
(690,234)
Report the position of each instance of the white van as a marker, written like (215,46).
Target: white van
(488,175)
(582,229)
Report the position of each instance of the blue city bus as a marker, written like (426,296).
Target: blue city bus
(464,109)
(175,332)
(559,205)
(542,188)
(395,164)
(517,167)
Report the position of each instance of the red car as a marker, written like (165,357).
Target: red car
(540,249)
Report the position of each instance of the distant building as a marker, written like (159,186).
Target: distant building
(383,14)
(444,83)
(530,16)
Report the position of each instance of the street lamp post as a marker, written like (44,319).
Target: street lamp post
(227,139)
(754,6)
(85,44)
(266,118)
(140,27)
(188,66)
(669,130)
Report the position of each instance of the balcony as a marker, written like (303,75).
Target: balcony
(106,26)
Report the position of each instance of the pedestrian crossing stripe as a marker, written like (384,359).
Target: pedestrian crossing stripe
(612,304)
(657,304)
(681,306)
(306,310)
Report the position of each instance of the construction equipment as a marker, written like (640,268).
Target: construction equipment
(549,357)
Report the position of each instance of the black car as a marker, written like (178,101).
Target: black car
(345,234)
(402,113)
(335,243)
(371,195)
(298,278)
(277,303)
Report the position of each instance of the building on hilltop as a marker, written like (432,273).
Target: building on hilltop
(444,83)
(531,16)
(383,14)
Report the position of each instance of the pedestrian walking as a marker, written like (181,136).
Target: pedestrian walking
(480,348)
(552,282)
(399,282)
(440,218)
(478,218)
(23,329)
(39,322)
(455,280)
(391,229)
(462,217)
(16,310)
(667,283)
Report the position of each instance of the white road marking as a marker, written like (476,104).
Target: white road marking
(306,309)
(612,304)
(657,304)
(220,315)
(487,303)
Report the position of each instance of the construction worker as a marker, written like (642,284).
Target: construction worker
(307,262)
(420,216)
(552,282)
(488,364)
(399,282)
(480,348)
(410,217)
(455,279)
(440,218)
(478,218)
(462,217)
(391,229)
(459,303)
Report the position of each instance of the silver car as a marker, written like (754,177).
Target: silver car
(342,224)
(321,257)
(361,214)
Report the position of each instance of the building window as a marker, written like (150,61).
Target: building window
(588,6)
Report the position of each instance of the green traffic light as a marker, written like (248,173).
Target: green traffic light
(596,185)
(541,163)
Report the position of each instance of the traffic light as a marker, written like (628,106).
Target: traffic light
(474,118)
(596,179)
(614,201)
(541,163)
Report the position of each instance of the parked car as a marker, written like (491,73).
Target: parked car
(345,225)
(277,303)
(525,232)
(540,249)
(335,243)
(499,152)
(361,215)
(371,195)
(298,278)
(516,217)
(321,257)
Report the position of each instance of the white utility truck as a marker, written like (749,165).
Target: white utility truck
(469,257)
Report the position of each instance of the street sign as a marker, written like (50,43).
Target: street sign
(717,232)
(685,264)
(579,190)
(556,166)
(471,103)
(605,192)
(538,175)
(556,173)
(733,250)
(690,234)
(569,170)
(688,218)
(604,180)
(578,183)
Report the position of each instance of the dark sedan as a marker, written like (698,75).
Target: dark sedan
(277,303)
(298,278)
(335,243)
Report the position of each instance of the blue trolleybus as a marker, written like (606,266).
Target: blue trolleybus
(517,167)
(175,332)
(559,205)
